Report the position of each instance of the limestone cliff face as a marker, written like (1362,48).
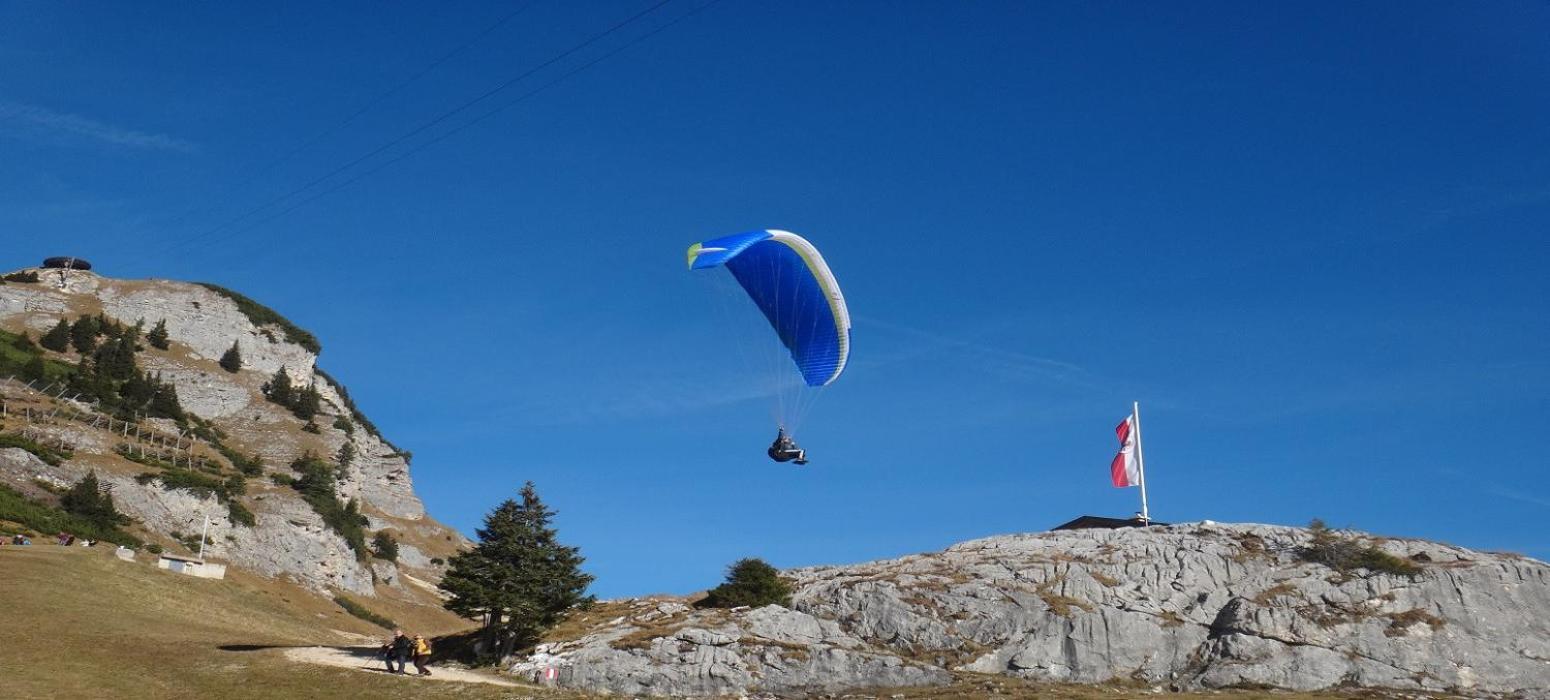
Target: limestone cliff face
(289,539)
(1203,605)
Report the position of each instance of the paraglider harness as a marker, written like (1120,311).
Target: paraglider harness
(785,449)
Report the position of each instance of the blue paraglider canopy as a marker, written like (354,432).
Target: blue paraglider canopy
(791,284)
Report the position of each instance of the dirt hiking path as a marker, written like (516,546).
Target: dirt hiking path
(365,659)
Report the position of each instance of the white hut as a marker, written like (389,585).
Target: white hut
(191,566)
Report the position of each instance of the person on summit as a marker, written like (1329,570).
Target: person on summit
(399,649)
(784,449)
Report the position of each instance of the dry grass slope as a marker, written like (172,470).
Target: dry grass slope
(81,624)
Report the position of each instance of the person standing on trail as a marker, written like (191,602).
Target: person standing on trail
(399,650)
(422,655)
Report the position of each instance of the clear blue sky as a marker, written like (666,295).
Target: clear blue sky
(1310,239)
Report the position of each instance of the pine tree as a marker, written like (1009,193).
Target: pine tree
(278,389)
(383,546)
(158,335)
(751,582)
(137,391)
(24,342)
(116,359)
(307,403)
(83,334)
(346,454)
(519,578)
(164,401)
(35,369)
(232,360)
(58,337)
(93,502)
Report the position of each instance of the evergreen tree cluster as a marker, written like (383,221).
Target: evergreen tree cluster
(316,482)
(30,276)
(108,371)
(304,403)
(519,579)
(92,501)
(750,582)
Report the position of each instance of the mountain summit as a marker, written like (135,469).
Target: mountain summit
(191,400)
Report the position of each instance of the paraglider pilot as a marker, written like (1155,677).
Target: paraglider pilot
(785,449)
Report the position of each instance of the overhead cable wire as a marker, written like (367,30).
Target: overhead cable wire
(426,125)
(368,106)
(447,134)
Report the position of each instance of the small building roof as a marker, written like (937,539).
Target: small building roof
(174,557)
(1098,522)
(66,262)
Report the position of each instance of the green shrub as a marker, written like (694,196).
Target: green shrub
(750,582)
(361,612)
(30,276)
(262,315)
(1346,553)
(355,411)
(47,454)
(383,546)
(316,485)
(239,513)
(48,520)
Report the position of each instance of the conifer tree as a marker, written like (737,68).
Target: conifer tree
(164,401)
(383,546)
(83,334)
(58,337)
(232,360)
(346,454)
(308,402)
(115,359)
(137,391)
(278,389)
(158,335)
(89,499)
(24,342)
(519,578)
(35,369)
(751,582)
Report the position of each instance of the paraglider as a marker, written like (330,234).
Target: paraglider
(785,449)
(789,282)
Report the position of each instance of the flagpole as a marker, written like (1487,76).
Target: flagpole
(1135,409)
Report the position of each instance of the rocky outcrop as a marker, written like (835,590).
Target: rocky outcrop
(288,539)
(1203,605)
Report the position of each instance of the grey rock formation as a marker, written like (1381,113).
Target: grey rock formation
(289,539)
(1204,605)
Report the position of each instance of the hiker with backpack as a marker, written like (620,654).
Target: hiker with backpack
(422,654)
(399,649)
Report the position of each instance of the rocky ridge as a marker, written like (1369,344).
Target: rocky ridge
(288,538)
(1189,606)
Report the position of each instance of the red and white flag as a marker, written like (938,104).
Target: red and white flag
(1126,469)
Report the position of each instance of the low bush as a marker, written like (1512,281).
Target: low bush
(1347,553)
(50,455)
(361,612)
(750,582)
(47,520)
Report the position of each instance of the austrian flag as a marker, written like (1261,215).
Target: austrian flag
(1126,467)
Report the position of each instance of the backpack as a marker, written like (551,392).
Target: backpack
(422,647)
